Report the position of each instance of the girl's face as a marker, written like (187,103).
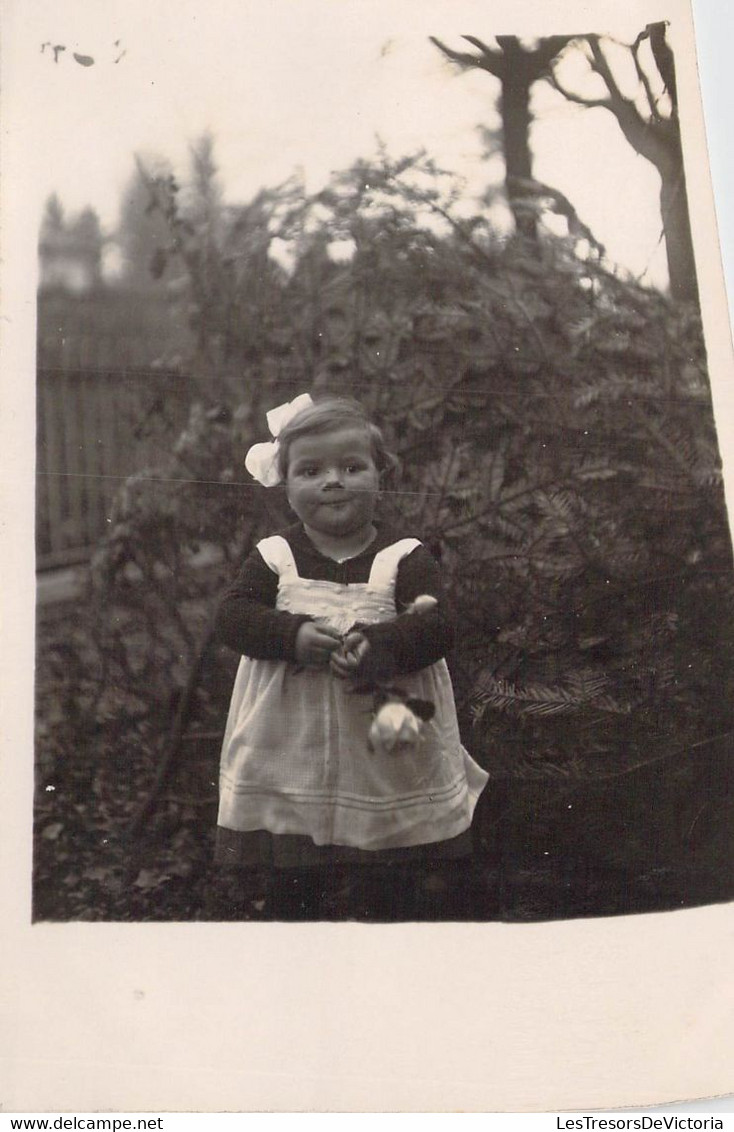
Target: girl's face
(332,481)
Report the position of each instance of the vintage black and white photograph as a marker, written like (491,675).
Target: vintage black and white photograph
(384,572)
(366,585)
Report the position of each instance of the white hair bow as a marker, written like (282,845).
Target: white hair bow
(261,460)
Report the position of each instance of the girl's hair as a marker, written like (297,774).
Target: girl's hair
(328,415)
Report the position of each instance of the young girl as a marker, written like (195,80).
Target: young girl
(323,614)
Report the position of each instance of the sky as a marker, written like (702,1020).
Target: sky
(303,85)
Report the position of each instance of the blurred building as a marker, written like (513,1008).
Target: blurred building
(110,391)
(70,253)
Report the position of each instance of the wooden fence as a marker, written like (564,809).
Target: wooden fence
(95,428)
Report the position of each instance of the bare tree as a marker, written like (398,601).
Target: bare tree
(650,123)
(517,68)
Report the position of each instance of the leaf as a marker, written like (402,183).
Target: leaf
(84,60)
(587,684)
(579,328)
(181,868)
(496,475)
(151,878)
(592,642)
(542,700)
(98,872)
(596,469)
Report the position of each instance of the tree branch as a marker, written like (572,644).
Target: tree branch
(491,61)
(480,45)
(601,66)
(649,138)
(590,103)
(656,433)
(549,48)
(664,60)
(644,81)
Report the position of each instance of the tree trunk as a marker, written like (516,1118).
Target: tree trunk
(517,68)
(677,229)
(515,111)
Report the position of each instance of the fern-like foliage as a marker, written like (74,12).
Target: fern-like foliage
(555,430)
(541,700)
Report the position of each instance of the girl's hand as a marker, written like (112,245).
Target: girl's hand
(345,661)
(315,644)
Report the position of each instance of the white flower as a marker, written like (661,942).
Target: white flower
(422,604)
(394,727)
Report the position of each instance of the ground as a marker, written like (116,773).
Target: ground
(652,839)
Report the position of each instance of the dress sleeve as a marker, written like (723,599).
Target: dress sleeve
(247,620)
(412,640)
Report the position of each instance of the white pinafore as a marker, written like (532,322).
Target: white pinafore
(295,758)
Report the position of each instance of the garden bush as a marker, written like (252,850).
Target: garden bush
(554,423)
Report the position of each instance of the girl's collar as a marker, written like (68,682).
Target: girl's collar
(347,557)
